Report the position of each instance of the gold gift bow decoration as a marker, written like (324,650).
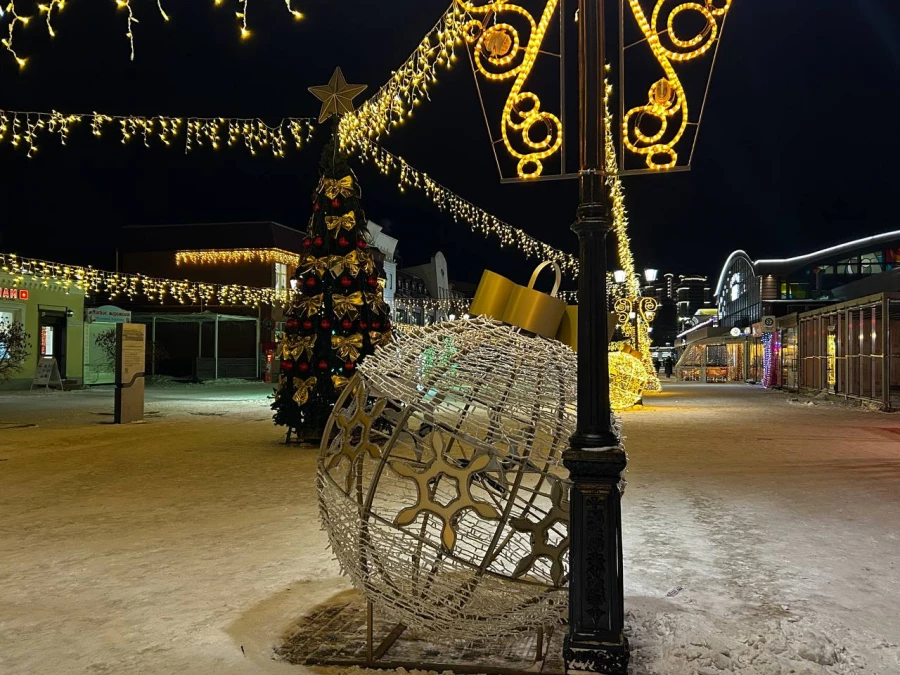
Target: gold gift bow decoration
(302,389)
(375,301)
(345,305)
(313,264)
(352,262)
(336,186)
(304,343)
(380,339)
(347,221)
(339,381)
(521,306)
(347,347)
(311,304)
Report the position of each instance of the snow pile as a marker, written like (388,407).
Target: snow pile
(681,643)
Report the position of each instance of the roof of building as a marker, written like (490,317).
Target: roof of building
(202,236)
(787,265)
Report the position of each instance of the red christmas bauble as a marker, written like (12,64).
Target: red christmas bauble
(376,325)
(349,365)
(307,324)
(325,324)
(307,242)
(343,242)
(335,202)
(346,281)
(361,243)
(372,281)
(387,325)
(317,241)
(287,366)
(323,365)
(291,324)
(303,367)
(363,325)
(310,282)
(346,324)
(316,206)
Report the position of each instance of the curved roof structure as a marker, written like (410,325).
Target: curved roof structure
(788,265)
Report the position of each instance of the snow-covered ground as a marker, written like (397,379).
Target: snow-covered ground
(190,543)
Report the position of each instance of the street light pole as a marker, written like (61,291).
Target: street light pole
(595,642)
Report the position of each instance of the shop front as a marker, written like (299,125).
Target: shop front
(100,342)
(719,355)
(52,316)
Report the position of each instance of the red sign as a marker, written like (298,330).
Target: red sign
(13,294)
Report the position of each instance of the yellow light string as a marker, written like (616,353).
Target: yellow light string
(47,9)
(460,209)
(115,284)
(666,97)
(632,287)
(196,131)
(394,101)
(237,256)
(13,22)
(499,45)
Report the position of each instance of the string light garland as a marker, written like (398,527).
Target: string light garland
(115,284)
(667,98)
(48,7)
(14,21)
(26,129)
(495,49)
(395,100)
(460,209)
(237,256)
(455,306)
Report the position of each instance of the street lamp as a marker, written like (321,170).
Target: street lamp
(596,640)
(651,275)
(619,276)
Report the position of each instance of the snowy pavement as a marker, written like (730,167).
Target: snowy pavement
(190,543)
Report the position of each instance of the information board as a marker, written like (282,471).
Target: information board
(130,350)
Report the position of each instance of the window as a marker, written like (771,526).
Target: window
(6,319)
(281,283)
(870,263)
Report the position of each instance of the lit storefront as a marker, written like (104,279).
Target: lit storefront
(715,354)
(853,349)
(52,316)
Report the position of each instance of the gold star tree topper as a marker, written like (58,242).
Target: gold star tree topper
(336,96)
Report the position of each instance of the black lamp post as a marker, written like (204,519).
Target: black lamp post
(596,641)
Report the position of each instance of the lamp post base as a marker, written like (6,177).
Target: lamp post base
(597,658)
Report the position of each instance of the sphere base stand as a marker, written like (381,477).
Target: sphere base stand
(351,633)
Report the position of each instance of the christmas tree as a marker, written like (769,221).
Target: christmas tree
(337,314)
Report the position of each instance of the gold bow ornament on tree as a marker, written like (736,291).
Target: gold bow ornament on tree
(336,186)
(336,223)
(292,349)
(347,347)
(310,304)
(339,381)
(345,305)
(351,262)
(311,263)
(302,389)
(375,301)
(380,339)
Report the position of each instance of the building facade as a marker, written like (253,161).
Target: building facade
(53,316)
(823,321)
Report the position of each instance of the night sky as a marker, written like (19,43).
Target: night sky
(797,151)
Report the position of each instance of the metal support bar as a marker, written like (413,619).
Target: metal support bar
(216,349)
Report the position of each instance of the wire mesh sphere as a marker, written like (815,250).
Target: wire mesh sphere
(440,482)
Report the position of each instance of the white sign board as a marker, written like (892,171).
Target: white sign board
(130,349)
(107,314)
(47,371)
